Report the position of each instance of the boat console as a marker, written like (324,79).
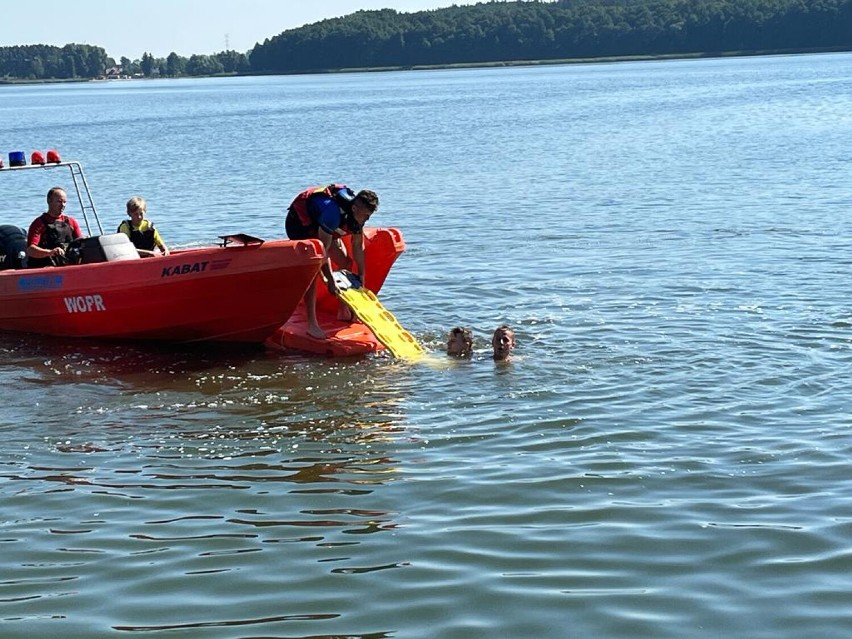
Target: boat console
(102,248)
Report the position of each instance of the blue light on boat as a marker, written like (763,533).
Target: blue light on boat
(17,158)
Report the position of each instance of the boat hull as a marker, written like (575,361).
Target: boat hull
(237,293)
(382,246)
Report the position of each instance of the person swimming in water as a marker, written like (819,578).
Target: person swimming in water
(503,343)
(460,342)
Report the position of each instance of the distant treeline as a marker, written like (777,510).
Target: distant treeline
(566,29)
(40,61)
(82,61)
(488,32)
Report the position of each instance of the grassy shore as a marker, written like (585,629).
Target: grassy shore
(8,80)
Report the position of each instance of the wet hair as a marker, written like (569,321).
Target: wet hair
(503,328)
(53,191)
(369,199)
(137,203)
(466,336)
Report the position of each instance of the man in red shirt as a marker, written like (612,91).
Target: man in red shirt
(51,231)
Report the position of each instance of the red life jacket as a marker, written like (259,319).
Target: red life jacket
(342,196)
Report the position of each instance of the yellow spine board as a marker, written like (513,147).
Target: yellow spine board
(381,321)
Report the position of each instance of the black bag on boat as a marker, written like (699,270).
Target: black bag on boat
(13,247)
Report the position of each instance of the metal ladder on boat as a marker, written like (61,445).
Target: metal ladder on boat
(84,196)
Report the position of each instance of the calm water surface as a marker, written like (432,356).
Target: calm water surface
(667,455)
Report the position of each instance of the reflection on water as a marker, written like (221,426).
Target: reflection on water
(666,456)
(195,459)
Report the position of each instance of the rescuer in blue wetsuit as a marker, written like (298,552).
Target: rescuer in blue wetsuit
(328,213)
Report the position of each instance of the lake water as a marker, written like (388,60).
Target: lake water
(667,455)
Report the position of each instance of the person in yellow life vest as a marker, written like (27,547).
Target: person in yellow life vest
(141,231)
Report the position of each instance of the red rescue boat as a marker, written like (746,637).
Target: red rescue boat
(232,293)
(240,291)
(244,290)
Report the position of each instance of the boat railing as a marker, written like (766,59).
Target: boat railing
(81,186)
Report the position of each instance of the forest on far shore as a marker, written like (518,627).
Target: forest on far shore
(484,33)
(85,62)
(562,30)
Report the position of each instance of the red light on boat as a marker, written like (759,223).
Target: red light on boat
(53,157)
(37,158)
